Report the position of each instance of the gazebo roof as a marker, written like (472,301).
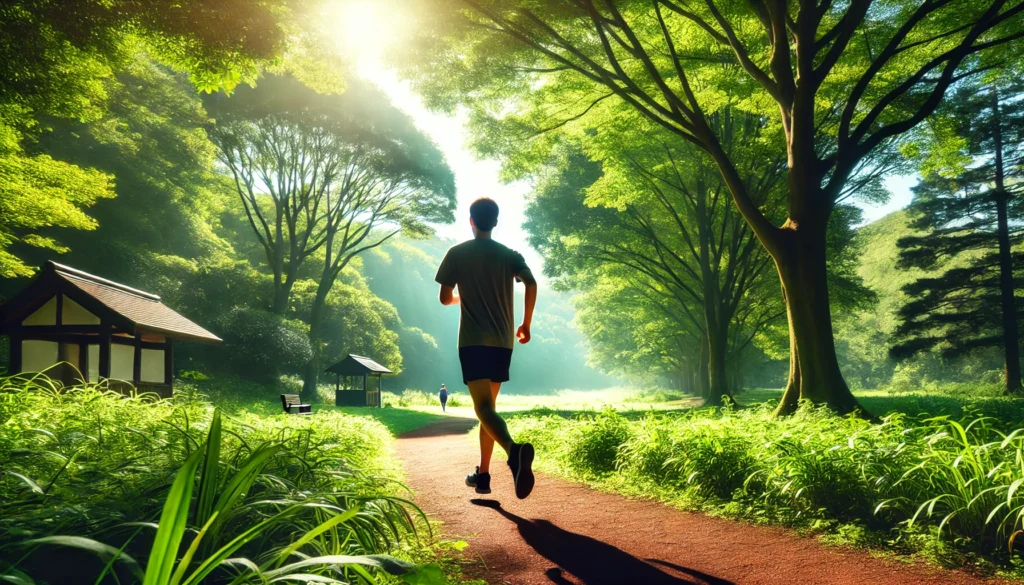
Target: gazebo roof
(126,307)
(357,365)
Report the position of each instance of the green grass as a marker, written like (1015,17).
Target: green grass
(953,400)
(561,400)
(950,488)
(397,420)
(97,486)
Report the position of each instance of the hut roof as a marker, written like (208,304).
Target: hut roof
(126,307)
(357,365)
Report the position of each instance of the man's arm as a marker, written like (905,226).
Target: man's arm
(448,296)
(531,301)
(447,277)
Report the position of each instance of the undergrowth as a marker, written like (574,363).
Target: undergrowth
(951,489)
(98,487)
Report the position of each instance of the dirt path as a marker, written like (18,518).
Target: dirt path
(566,533)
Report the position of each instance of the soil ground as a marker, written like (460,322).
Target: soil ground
(567,533)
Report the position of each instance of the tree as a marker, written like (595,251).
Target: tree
(38,193)
(55,56)
(630,334)
(843,80)
(656,210)
(326,176)
(972,212)
(151,140)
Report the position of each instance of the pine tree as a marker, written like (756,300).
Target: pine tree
(973,223)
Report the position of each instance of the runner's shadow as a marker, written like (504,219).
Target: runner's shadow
(591,561)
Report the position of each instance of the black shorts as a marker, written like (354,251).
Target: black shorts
(483,362)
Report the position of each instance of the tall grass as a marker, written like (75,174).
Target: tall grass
(133,489)
(936,483)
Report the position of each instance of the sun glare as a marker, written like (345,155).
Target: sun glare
(366,28)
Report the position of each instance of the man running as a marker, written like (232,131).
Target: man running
(484,272)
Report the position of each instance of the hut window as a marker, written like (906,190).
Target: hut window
(93,359)
(45,315)
(37,355)
(153,366)
(75,314)
(122,362)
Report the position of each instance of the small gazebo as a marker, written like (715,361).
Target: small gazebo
(349,370)
(104,329)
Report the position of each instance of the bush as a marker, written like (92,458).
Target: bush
(89,467)
(260,346)
(592,448)
(960,482)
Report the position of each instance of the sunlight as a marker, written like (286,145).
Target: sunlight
(365,29)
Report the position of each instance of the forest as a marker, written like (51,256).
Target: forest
(779,244)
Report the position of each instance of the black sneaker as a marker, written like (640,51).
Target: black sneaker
(480,481)
(520,461)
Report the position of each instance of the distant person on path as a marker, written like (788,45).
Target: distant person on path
(444,397)
(484,272)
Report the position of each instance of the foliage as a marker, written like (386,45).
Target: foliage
(334,174)
(650,220)
(955,479)
(969,216)
(37,193)
(259,345)
(844,86)
(56,61)
(359,321)
(151,139)
(278,494)
(326,177)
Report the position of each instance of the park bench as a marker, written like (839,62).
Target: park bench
(291,401)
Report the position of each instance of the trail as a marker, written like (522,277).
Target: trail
(567,533)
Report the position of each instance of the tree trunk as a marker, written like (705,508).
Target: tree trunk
(703,379)
(800,261)
(311,375)
(282,293)
(686,377)
(1011,336)
(791,394)
(717,344)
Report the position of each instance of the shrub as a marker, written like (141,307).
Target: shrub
(90,468)
(260,346)
(960,482)
(593,447)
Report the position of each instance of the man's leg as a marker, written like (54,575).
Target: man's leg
(486,440)
(483,403)
(520,456)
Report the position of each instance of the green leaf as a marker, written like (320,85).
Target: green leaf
(425,575)
(16,577)
(173,519)
(323,527)
(27,481)
(386,563)
(209,480)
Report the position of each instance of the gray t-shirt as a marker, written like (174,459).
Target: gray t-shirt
(484,271)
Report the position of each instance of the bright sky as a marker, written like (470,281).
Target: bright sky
(367,28)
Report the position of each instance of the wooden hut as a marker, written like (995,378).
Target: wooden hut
(107,330)
(349,371)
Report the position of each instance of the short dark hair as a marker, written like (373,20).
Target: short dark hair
(484,212)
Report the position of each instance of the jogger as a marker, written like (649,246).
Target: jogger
(484,272)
